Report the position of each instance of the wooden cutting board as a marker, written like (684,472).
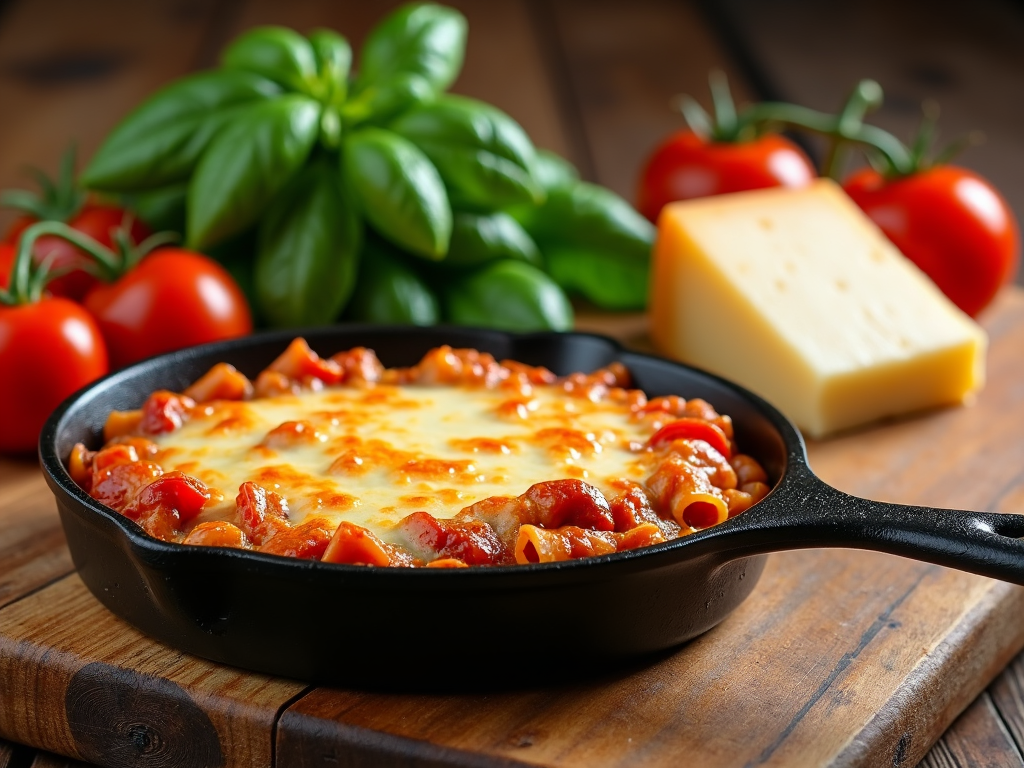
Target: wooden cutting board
(839,657)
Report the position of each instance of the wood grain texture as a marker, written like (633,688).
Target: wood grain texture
(77,681)
(978,739)
(69,71)
(1008,698)
(32,548)
(624,63)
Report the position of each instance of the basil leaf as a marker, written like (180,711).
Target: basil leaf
(277,53)
(399,191)
(160,142)
(162,209)
(334,60)
(479,238)
(584,215)
(389,290)
(380,102)
(609,279)
(252,158)
(307,251)
(552,171)
(509,296)
(594,243)
(422,39)
(483,155)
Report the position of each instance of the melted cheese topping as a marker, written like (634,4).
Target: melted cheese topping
(373,455)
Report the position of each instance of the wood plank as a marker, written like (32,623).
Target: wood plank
(1008,697)
(978,738)
(77,681)
(50,760)
(69,71)
(32,547)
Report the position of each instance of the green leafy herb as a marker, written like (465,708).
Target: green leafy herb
(252,158)
(309,241)
(161,141)
(401,193)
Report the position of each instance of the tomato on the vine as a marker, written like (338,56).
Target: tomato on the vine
(48,349)
(686,166)
(99,222)
(951,223)
(172,298)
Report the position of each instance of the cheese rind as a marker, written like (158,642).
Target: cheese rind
(798,296)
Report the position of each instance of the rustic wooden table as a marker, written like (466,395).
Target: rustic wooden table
(843,657)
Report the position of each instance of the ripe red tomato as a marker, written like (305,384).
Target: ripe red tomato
(951,223)
(686,166)
(48,350)
(172,299)
(7,254)
(98,222)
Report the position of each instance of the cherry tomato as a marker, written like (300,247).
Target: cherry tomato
(172,299)
(7,254)
(686,166)
(951,223)
(98,222)
(48,350)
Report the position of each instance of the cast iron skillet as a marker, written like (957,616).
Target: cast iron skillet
(401,627)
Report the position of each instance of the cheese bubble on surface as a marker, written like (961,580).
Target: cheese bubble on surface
(798,296)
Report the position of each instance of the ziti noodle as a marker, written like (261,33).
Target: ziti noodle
(459,460)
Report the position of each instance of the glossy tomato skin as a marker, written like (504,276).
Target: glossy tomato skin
(686,166)
(48,350)
(951,223)
(172,299)
(7,254)
(98,222)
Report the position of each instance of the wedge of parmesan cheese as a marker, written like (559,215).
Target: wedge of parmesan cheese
(798,296)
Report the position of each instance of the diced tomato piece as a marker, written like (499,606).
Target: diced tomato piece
(474,542)
(359,364)
(354,545)
(222,382)
(164,412)
(557,503)
(299,361)
(177,496)
(117,485)
(262,513)
(308,541)
(217,533)
(80,466)
(688,428)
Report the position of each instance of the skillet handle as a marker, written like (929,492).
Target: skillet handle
(810,513)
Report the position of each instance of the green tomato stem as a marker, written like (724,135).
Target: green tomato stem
(845,128)
(27,283)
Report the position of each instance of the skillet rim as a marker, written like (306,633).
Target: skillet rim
(151,549)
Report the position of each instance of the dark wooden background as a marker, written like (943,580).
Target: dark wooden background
(590,79)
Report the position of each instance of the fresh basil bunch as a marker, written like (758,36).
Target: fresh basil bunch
(375,192)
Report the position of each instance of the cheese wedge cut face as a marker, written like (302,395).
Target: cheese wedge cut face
(798,296)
